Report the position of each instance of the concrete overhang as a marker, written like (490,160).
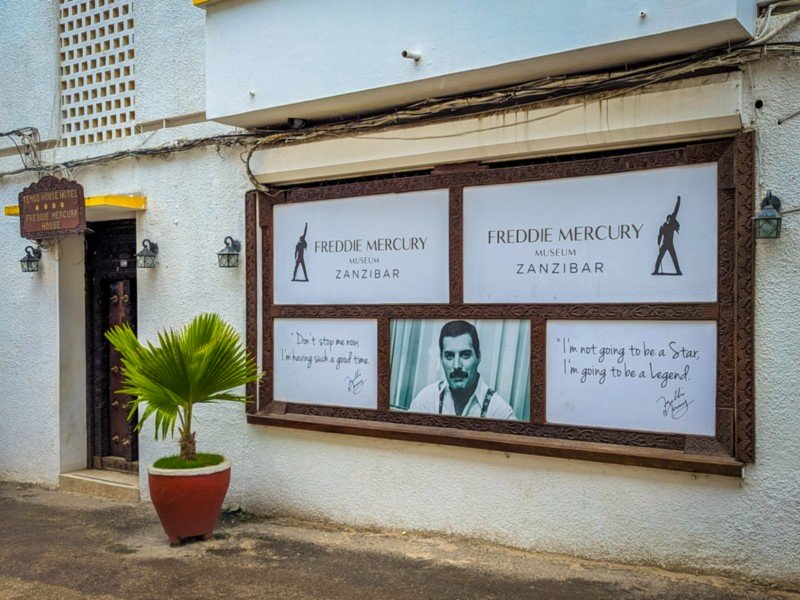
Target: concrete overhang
(679,111)
(270,60)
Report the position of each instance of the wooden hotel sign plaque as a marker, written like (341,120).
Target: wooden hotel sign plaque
(52,207)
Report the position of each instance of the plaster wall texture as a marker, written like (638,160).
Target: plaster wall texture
(170,68)
(189,217)
(29,90)
(72,355)
(29,375)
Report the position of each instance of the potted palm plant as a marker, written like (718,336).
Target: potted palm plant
(198,364)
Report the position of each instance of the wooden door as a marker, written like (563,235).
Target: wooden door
(121,439)
(110,300)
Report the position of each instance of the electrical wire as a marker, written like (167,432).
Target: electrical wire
(608,85)
(29,136)
(762,34)
(168,148)
(13,141)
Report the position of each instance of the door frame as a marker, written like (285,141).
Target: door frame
(115,241)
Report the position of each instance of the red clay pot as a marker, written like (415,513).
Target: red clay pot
(188,500)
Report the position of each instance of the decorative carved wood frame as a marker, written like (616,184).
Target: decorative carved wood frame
(723,454)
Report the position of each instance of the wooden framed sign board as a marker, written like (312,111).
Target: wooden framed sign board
(589,308)
(50,208)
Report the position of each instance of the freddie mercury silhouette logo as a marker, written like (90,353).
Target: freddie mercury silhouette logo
(666,234)
(299,256)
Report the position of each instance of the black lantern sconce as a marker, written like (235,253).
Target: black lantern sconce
(229,255)
(30,262)
(768,219)
(146,257)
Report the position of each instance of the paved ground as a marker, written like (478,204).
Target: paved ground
(59,545)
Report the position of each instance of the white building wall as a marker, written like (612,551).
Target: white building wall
(29,375)
(170,65)
(746,527)
(41,327)
(29,59)
(71,302)
(194,200)
(29,359)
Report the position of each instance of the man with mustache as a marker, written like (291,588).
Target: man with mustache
(463,392)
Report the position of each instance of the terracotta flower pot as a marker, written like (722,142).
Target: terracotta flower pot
(188,500)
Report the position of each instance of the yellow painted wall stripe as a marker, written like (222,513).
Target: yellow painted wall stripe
(124,202)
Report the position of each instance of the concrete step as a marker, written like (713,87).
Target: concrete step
(122,487)
(115,463)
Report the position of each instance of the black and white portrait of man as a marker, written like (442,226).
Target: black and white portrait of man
(463,384)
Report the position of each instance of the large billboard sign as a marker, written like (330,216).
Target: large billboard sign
(639,236)
(640,375)
(532,307)
(387,249)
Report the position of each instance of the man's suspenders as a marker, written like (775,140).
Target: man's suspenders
(487,399)
(442,390)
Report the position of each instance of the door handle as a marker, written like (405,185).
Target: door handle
(115,439)
(115,369)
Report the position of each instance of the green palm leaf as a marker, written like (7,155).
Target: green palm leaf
(200,363)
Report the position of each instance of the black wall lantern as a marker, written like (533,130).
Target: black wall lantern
(30,262)
(229,255)
(768,219)
(146,257)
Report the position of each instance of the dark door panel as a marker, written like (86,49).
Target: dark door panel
(110,300)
